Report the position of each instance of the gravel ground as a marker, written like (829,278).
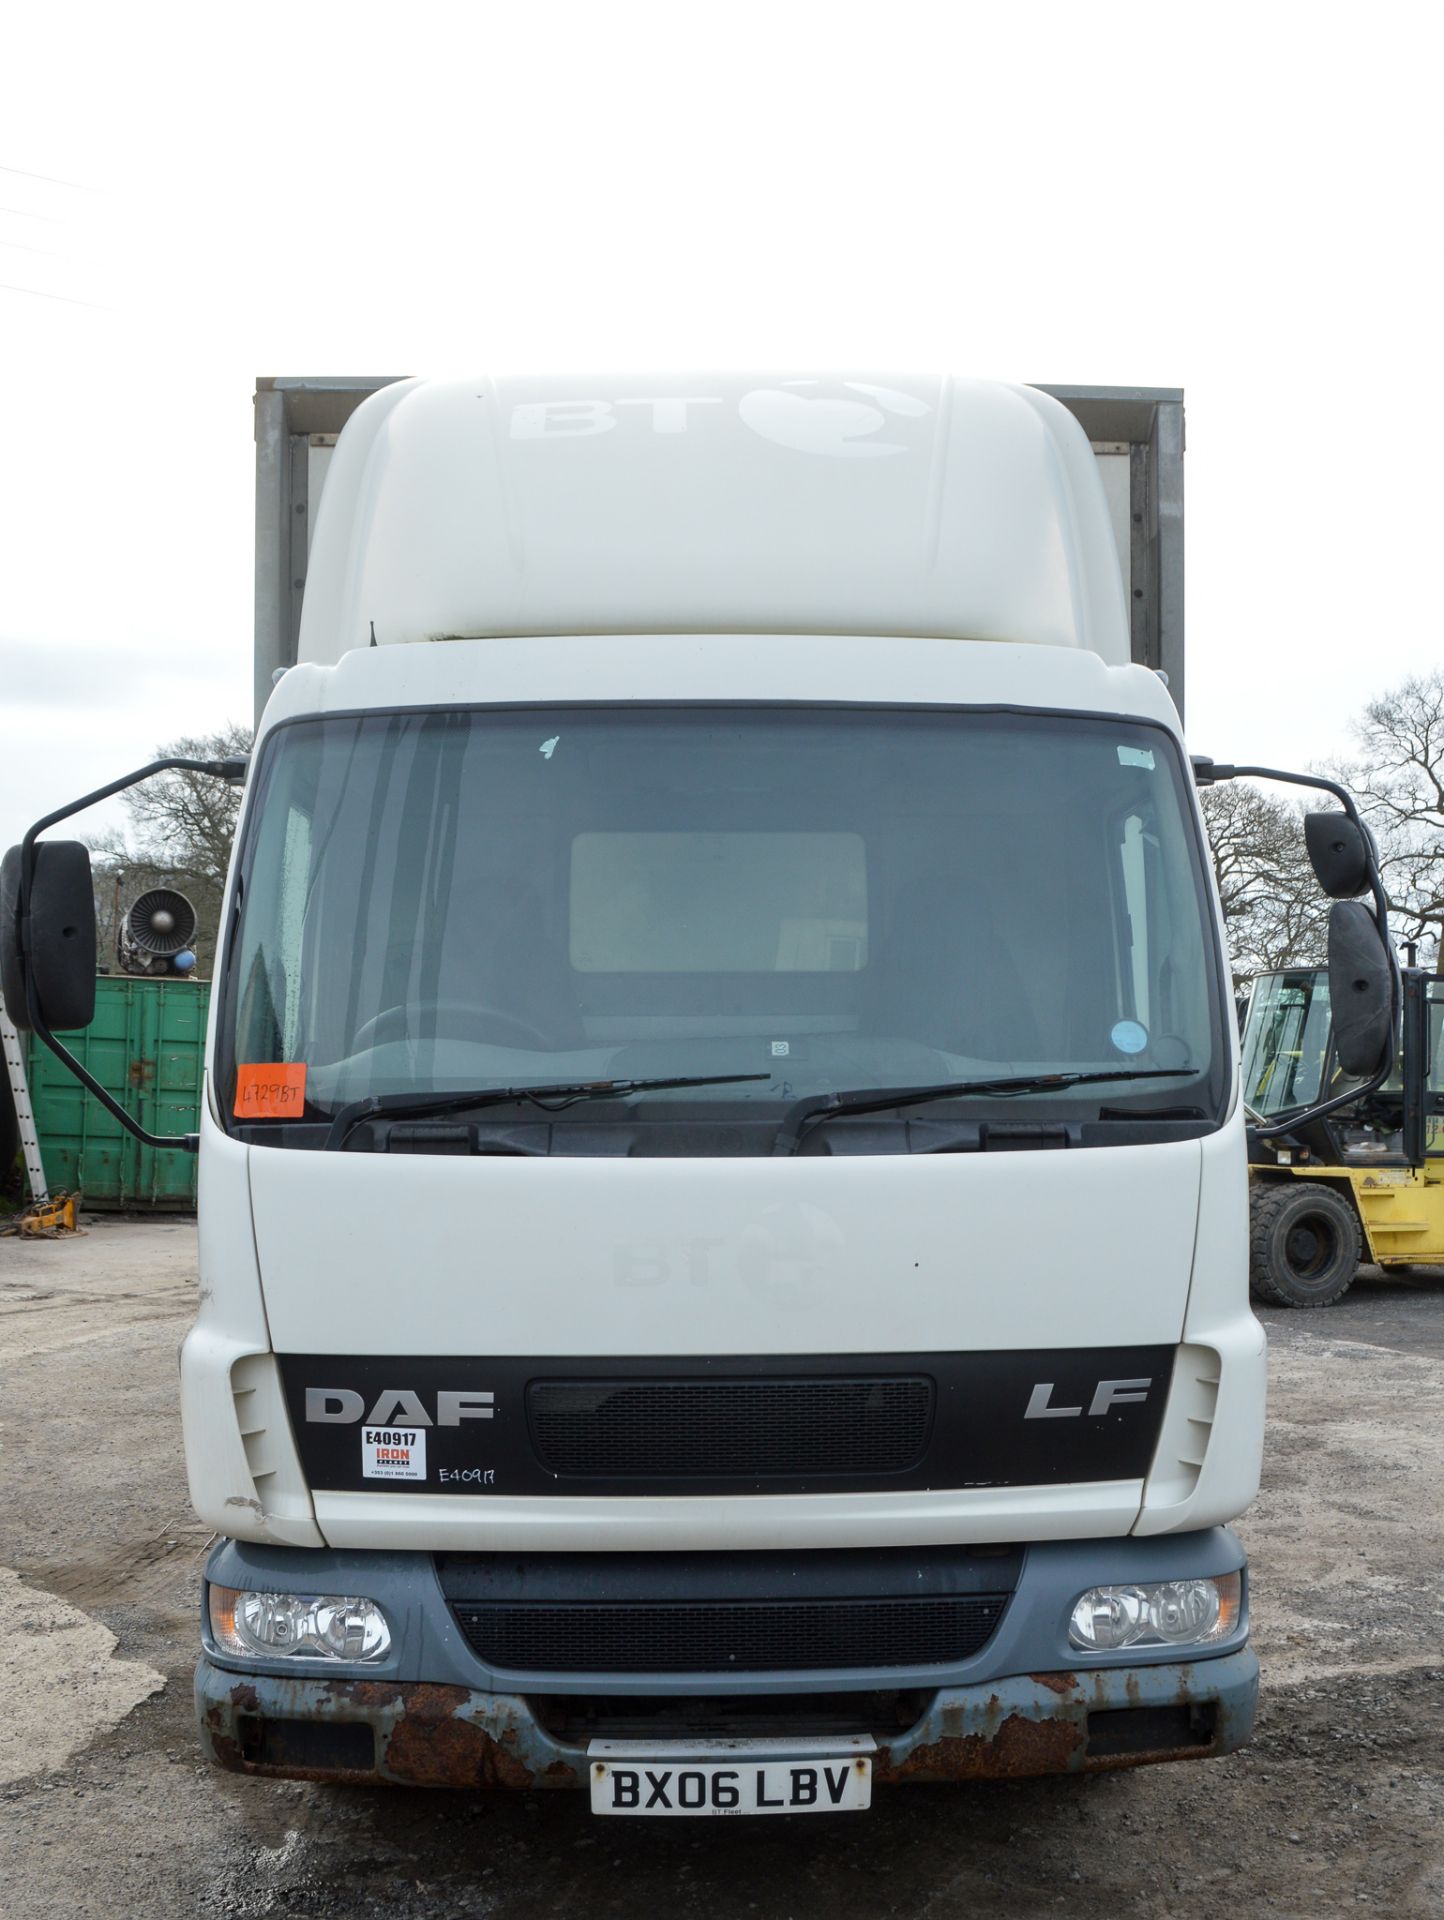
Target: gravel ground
(106,1810)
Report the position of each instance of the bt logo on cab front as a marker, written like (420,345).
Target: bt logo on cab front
(842,423)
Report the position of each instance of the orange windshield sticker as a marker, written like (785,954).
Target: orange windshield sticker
(273,1091)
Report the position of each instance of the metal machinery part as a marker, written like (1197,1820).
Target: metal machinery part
(1364,1183)
(47,1213)
(160,924)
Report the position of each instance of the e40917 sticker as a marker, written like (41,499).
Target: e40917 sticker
(393,1453)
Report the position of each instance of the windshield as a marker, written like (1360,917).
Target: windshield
(832,899)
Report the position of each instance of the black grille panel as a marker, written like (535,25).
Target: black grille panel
(735,1423)
(729,1429)
(731,1637)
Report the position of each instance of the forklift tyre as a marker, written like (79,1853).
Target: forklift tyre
(1304,1243)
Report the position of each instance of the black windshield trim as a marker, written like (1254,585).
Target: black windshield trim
(804,1116)
(551,1096)
(575,1135)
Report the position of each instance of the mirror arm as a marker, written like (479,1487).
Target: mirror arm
(1205,773)
(232,769)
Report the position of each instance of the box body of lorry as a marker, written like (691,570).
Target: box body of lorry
(723,1220)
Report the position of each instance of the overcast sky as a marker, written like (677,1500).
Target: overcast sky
(1239,200)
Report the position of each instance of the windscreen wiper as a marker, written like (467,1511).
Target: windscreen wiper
(551,1097)
(815,1108)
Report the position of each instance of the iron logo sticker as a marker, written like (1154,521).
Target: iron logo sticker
(393,1453)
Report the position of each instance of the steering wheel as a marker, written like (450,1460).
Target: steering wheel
(454,1016)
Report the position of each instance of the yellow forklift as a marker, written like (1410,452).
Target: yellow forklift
(1366,1180)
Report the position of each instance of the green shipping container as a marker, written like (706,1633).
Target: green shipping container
(146,1046)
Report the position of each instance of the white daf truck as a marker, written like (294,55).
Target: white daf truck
(723,1207)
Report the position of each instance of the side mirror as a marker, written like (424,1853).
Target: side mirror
(59,950)
(1338,854)
(1361,989)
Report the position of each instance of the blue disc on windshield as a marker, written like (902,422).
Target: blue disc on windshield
(1129,1037)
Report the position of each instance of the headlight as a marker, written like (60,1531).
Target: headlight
(1163,1613)
(306,1626)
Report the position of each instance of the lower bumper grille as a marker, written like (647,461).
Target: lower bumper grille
(731,1637)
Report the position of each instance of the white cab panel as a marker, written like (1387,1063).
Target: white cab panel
(245,1476)
(1206,1468)
(373,1253)
(840,669)
(1099,1510)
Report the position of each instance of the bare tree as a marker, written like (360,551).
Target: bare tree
(1272,908)
(180,833)
(1398,778)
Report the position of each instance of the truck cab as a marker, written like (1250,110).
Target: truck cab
(723,1204)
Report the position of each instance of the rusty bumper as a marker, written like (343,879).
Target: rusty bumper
(412,1734)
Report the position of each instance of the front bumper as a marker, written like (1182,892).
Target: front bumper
(419,1735)
(434,1713)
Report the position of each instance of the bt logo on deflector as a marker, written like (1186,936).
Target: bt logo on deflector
(839,419)
(839,425)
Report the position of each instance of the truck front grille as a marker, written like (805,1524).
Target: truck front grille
(729,1429)
(731,1637)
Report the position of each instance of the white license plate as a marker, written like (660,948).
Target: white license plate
(645,1777)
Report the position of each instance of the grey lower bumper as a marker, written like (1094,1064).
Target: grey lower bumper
(413,1734)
